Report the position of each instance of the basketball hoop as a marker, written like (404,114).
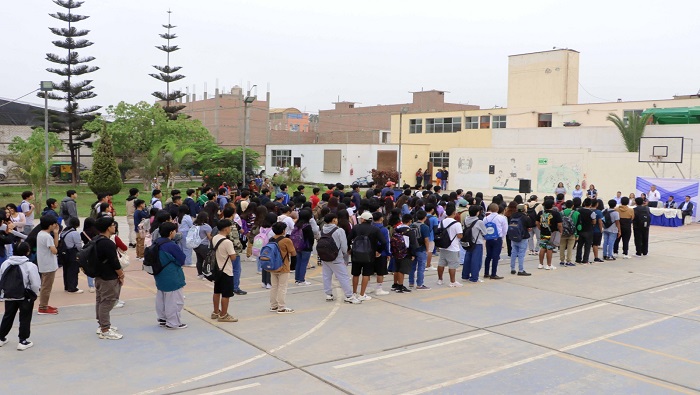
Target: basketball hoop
(656,158)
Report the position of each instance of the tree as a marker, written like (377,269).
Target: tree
(632,130)
(72,65)
(105,176)
(167,74)
(173,159)
(28,156)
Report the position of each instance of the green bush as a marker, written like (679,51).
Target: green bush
(215,177)
(105,177)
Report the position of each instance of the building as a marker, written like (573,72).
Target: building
(544,134)
(289,119)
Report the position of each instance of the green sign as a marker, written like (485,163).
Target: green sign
(542,161)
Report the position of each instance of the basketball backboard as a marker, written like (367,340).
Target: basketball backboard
(661,149)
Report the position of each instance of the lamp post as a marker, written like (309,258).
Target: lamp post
(46,87)
(246,101)
(403,111)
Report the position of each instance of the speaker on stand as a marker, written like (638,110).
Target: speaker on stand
(525,187)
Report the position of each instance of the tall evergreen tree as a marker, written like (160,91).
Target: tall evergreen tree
(168,74)
(105,176)
(71,66)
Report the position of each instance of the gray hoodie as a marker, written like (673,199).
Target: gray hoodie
(478,231)
(341,240)
(68,208)
(30,272)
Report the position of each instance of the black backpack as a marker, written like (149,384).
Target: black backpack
(442,236)
(641,218)
(151,259)
(210,267)
(607,220)
(362,251)
(87,257)
(413,234)
(468,243)
(532,213)
(326,248)
(63,251)
(516,229)
(12,283)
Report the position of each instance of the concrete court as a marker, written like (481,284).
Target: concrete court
(630,326)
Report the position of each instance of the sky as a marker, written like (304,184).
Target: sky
(313,52)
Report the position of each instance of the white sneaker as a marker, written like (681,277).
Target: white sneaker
(79,291)
(304,283)
(111,335)
(432,268)
(268,286)
(550,267)
(119,304)
(329,298)
(439,282)
(540,266)
(263,285)
(3,342)
(99,330)
(91,290)
(456,284)
(362,298)
(625,257)
(380,292)
(24,344)
(546,267)
(352,300)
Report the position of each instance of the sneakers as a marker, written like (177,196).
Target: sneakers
(48,311)
(512,272)
(404,289)
(227,318)
(160,323)
(273,309)
(362,298)
(477,281)
(119,304)
(597,260)
(303,283)
(76,292)
(91,290)
(422,287)
(111,334)
(562,264)
(352,300)
(625,257)
(268,286)
(262,284)
(330,298)
(23,345)
(540,266)
(380,292)
(550,267)
(457,284)
(181,326)
(570,264)
(285,310)
(114,328)
(3,342)
(495,277)
(439,282)
(214,316)
(200,276)
(240,292)
(524,273)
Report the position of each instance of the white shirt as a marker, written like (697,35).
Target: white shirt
(156,203)
(684,205)
(288,221)
(452,231)
(654,196)
(500,221)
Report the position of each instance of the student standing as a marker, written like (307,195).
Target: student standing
(223,286)
(626,218)
(566,244)
(140,214)
(71,239)
(640,225)
(549,221)
(611,230)
(494,245)
(586,220)
(419,261)
(46,253)
(475,230)
(170,297)
(108,279)
(205,234)
(25,304)
(280,277)
(449,257)
(520,224)
(130,209)
(338,265)
(28,210)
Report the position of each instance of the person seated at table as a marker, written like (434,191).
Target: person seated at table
(686,208)
(670,203)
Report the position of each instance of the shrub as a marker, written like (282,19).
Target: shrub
(381,177)
(105,177)
(215,177)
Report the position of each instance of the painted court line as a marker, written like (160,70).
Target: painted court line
(595,306)
(413,350)
(673,286)
(233,389)
(663,354)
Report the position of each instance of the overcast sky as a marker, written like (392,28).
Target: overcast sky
(372,52)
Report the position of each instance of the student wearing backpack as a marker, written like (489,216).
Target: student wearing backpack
(421,256)
(433,222)
(280,277)
(496,228)
(549,221)
(27,209)
(518,233)
(474,231)
(156,195)
(234,235)
(303,240)
(204,234)
(68,246)
(109,277)
(332,247)
(366,242)
(586,221)
(626,219)
(141,215)
(69,207)
(611,229)
(25,275)
(223,286)
(381,262)
(569,234)
(449,256)
(533,211)
(403,254)
(170,297)
(640,226)
(597,207)
(130,210)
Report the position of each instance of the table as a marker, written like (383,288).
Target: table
(669,217)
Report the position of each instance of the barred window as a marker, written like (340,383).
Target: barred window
(443,125)
(281,157)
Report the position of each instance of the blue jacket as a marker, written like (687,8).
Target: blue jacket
(139,215)
(385,233)
(172,258)
(193,206)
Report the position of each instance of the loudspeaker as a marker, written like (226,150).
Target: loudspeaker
(492,169)
(525,186)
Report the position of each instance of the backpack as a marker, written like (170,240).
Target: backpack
(271,256)
(236,238)
(442,236)
(467,241)
(19,206)
(607,219)
(326,248)
(210,267)
(63,250)
(532,213)
(641,218)
(545,220)
(260,240)
(297,237)
(398,245)
(93,211)
(362,251)
(413,234)
(567,224)
(64,210)
(12,284)
(491,231)
(516,229)
(87,257)
(151,259)
(193,239)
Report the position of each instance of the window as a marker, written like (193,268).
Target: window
(485,122)
(626,114)
(440,159)
(499,121)
(385,137)
(331,160)
(281,157)
(471,123)
(544,120)
(415,126)
(443,125)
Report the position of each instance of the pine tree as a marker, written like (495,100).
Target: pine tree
(105,176)
(167,74)
(72,65)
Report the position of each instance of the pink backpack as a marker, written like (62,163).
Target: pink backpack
(260,240)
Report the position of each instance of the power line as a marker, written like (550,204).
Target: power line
(12,101)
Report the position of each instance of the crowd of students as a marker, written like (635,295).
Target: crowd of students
(382,232)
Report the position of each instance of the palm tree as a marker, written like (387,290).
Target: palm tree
(632,130)
(173,159)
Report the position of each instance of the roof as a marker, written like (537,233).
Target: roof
(675,116)
(283,110)
(551,50)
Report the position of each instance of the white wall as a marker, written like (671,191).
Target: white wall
(360,158)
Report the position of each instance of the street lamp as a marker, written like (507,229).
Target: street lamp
(46,87)
(403,111)
(246,101)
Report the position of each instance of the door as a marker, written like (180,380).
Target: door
(386,160)
(297,162)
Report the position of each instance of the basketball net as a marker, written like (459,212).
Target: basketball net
(656,159)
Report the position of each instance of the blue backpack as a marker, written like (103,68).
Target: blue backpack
(491,231)
(270,256)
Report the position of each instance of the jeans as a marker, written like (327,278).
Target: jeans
(519,249)
(25,309)
(91,282)
(583,250)
(443,184)
(608,243)
(462,252)
(418,265)
(302,262)
(201,253)
(493,254)
(472,263)
(236,266)
(186,251)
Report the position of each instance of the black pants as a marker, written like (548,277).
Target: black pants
(510,248)
(625,234)
(266,277)
(70,272)
(201,253)
(25,309)
(583,249)
(641,240)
